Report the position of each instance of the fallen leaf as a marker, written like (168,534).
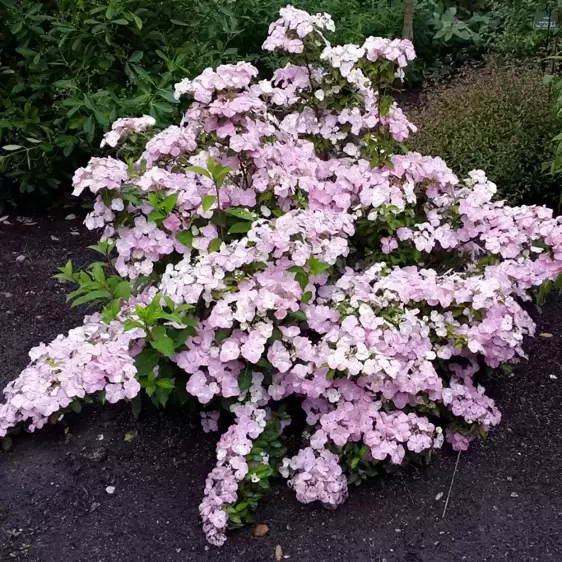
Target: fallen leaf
(20,259)
(438,496)
(54,238)
(545,335)
(130,435)
(5,217)
(261,530)
(514,495)
(70,217)
(278,553)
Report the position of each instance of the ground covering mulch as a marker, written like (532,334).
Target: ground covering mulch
(505,504)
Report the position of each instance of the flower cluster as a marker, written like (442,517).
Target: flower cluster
(93,358)
(126,126)
(316,476)
(280,250)
(100,173)
(288,32)
(226,77)
(222,483)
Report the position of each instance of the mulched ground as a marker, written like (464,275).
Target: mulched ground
(506,503)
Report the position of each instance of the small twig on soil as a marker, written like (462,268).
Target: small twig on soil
(451,486)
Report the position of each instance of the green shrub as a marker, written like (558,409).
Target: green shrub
(499,119)
(70,67)
(516,36)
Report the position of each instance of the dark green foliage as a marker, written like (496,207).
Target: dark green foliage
(516,36)
(498,119)
(68,68)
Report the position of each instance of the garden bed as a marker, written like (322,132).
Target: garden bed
(506,502)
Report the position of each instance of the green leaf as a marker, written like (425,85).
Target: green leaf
(136,405)
(65,84)
(92,296)
(111,311)
(163,343)
(11,147)
(302,279)
(142,73)
(26,52)
(298,315)
(89,125)
(240,213)
(211,165)
(146,361)
(137,20)
(215,245)
(220,176)
(123,290)
(76,406)
(240,228)
(317,266)
(245,379)
(155,216)
(121,21)
(221,334)
(129,436)
(199,170)
(161,396)
(208,201)
(180,336)
(169,202)
(179,22)
(130,324)
(185,237)
(6,444)
(264,364)
(264,484)
(277,335)
(264,471)
(165,383)
(98,273)
(136,56)
(306,297)
(558,282)
(101,118)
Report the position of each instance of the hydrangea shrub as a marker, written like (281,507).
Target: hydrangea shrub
(280,249)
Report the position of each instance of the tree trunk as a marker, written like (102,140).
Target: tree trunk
(408,29)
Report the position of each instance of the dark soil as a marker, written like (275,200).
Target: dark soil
(506,502)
